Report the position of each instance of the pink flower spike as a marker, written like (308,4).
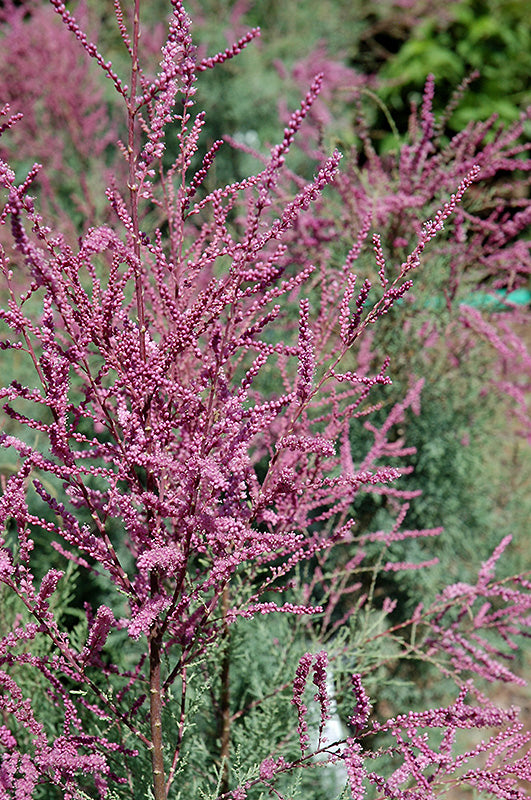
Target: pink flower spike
(321,696)
(230,52)
(299,685)
(306,353)
(98,634)
(361,714)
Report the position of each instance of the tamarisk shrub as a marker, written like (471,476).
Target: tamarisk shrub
(463,333)
(189,446)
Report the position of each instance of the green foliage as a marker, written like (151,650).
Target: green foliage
(465,455)
(493,38)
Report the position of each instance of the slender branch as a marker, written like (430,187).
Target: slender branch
(224,699)
(155,703)
(132,184)
(156,633)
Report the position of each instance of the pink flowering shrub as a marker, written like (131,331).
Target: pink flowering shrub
(65,125)
(186,443)
(460,329)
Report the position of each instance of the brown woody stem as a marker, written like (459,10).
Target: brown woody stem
(224,700)
(155,707)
